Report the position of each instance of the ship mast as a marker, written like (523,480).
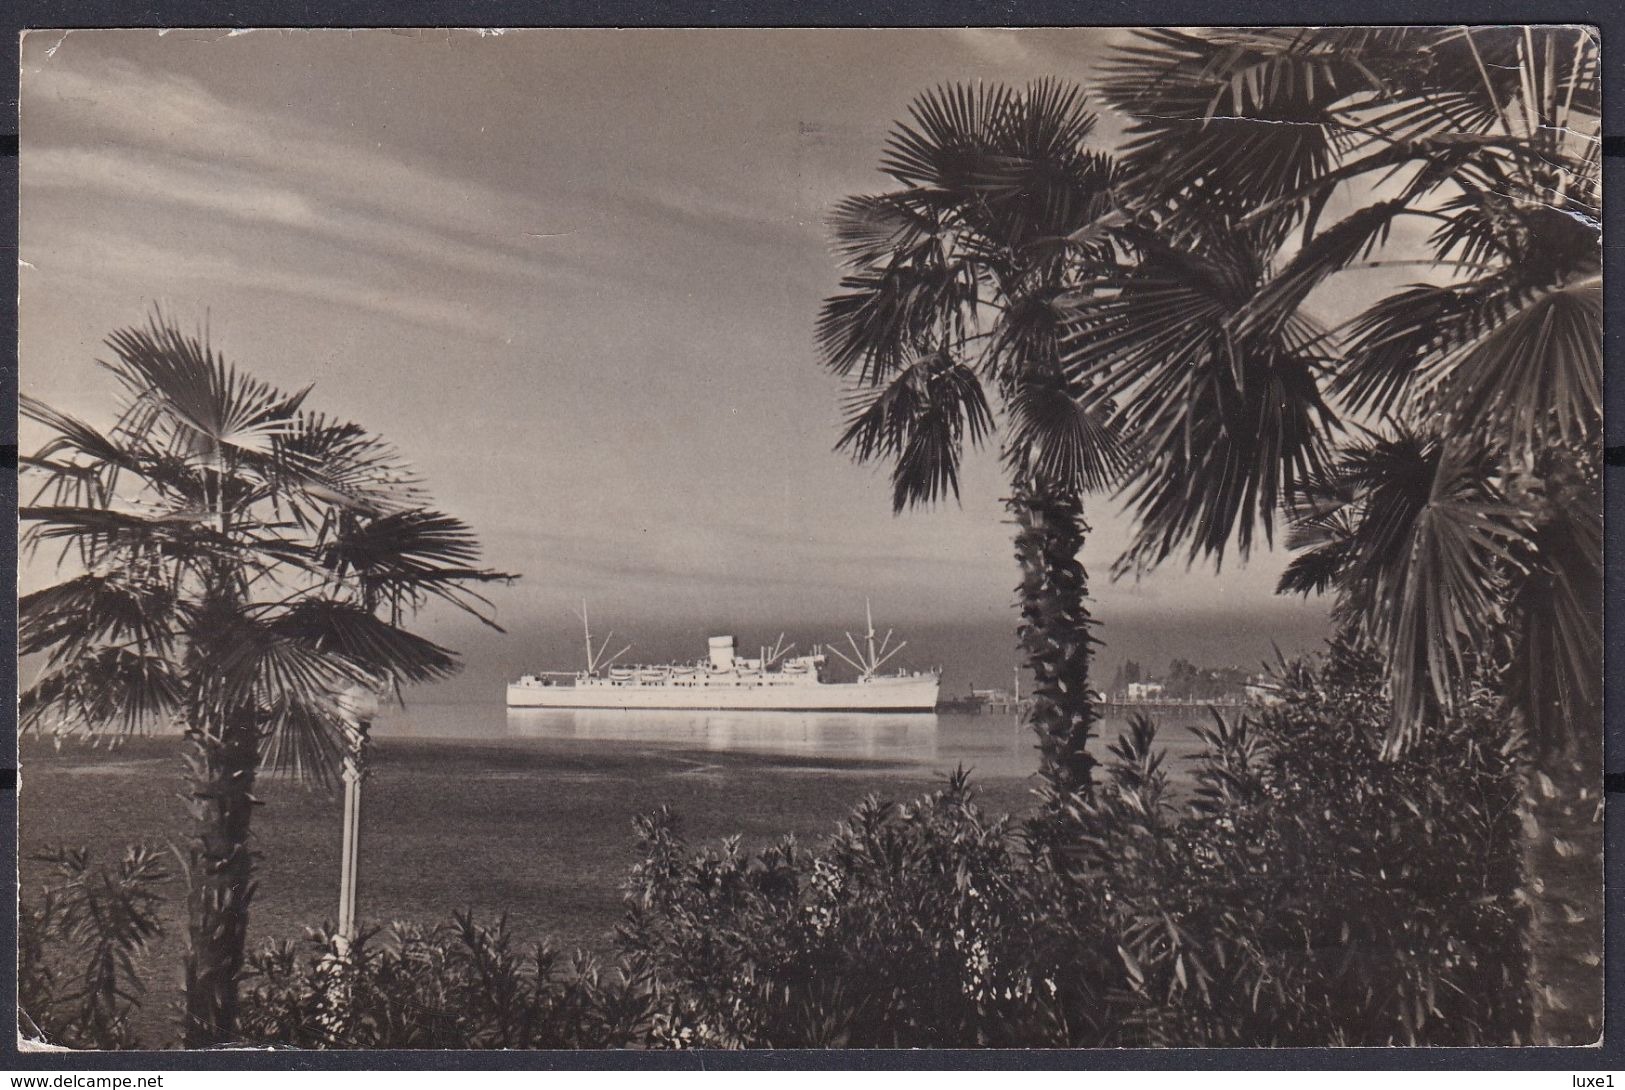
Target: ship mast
(586,628)
(868,659)
(869,634)
(771,655)
(595,655)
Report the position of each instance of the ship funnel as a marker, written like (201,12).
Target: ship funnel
(722,652)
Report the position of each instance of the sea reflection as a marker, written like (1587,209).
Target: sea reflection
(911,737)
(992,745)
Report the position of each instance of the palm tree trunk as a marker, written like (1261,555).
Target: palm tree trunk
(1055,630)
(1563,846)
(1555,684)
(220,782)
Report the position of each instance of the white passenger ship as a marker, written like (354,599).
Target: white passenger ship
(772,681)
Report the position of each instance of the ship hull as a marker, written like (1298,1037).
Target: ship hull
(880,694)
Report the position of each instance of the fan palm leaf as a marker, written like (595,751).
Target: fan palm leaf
(920,420)
(1535,375)
(1556,610)
(1449,593)
(353,634)
(875,229)
(883,318)
(1060,435)
(188,387)
(90,610)
(104,689)
(1221,401)
(319,463)
(406,555)
(1419,543)
(943,145)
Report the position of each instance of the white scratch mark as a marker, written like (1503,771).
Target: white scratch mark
(51,52)
(28,264)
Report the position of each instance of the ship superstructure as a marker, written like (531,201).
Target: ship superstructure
(773,680)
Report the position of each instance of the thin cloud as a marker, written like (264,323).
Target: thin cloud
(127,177)
(181,271)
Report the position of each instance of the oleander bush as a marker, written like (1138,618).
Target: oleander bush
(919,925)
(78,948)
(463,984)
(1307,891)
(1310,891)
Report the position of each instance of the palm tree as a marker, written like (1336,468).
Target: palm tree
(231,553)
(1461,524)
(956,284)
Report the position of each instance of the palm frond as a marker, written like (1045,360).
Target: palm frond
(80,463)
(1352,523)
(407,555)
(1396,346)
(1218,460)
(404,543)
(73,617)
(1277,301)
(1536,375)
(920,420)
(260,665)
(1479,80)
(1223,426)
(318,464)
(1060,435)
(872,230)
(1430,162)
(1318,565)
(107,689)
(186,384)
(1037,183)
(305,741)
(883,319)
(344,631)
(1231,121)
(951,128)
(1446,601)
(174,536)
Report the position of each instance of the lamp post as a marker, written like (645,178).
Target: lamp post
(358,707)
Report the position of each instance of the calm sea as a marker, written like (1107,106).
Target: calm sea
(993,745)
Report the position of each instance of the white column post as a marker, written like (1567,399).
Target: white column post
(349,850)
(359,706)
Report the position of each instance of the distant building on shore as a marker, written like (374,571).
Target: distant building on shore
(1144,690)
(1262,689)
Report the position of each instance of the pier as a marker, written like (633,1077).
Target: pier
(1004,704)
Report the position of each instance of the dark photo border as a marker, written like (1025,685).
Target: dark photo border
(1609,17)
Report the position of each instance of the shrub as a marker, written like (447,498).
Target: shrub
(915,926)
(457,985)
(1310,891)
(1305,891)
(77,945)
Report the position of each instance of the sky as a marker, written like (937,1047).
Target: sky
(572,275)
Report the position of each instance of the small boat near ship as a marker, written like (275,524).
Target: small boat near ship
(774,680)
